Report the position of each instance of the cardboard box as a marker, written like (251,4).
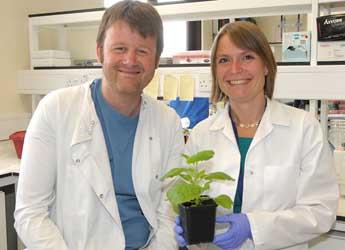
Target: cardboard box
(296,47)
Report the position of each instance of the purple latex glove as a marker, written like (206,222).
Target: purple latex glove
(178,232)
(238,232)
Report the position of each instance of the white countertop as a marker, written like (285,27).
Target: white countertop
(9,163)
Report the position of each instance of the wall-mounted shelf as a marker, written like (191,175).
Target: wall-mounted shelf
(232,9)
(188,11)
(331,63)
(310,82)
(293,82)
(330,1)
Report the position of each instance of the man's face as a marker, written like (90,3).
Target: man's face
(129,60)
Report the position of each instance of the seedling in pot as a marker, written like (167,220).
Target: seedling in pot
(188,196)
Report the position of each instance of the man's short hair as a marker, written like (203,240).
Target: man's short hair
(142,17)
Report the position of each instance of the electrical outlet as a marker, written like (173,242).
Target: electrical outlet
(205,83)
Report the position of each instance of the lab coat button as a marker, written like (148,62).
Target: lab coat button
(150,138)
(101,196)
(251,172)
(77,161)
(156,176)
(92,124)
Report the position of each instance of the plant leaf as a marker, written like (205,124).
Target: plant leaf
(173,172)
(186,177)
(206,187)
(182,192)
(224,201)
(219,176)
(200,156)
(185,156)
(175,208)
(201,174)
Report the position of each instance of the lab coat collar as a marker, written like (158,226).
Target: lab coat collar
(89,119)
(274,115)
(223,122)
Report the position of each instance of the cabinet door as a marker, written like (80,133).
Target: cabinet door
(3,237)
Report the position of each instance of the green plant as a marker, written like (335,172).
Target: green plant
(194,181)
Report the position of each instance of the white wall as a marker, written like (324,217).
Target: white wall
(14,55)
(14,49)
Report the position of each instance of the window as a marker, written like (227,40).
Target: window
(172,42)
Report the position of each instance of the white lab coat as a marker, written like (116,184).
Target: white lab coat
(65,196)
(290,193)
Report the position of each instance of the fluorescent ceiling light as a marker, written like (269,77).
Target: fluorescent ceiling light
(108,3)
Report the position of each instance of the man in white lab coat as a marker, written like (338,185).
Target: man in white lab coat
(93,153)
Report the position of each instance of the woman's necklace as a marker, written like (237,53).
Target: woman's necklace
(248,125)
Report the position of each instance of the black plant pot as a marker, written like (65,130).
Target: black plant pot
(198,222)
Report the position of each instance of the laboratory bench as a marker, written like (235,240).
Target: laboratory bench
(9,171)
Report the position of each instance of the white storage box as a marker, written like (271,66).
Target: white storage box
(51,62)
(193,56)
(331,51)
(296,47)
(42,54)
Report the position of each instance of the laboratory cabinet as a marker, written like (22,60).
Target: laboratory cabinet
(8,236)
(3,234)
(62,23)
(9,171)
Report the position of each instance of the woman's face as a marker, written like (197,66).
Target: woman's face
(240,72)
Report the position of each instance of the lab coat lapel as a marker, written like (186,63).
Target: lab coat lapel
(273,115)
(139,137)
(223,122)
(89,154)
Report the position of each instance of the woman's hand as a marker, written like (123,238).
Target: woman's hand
(238,232)
(178,232)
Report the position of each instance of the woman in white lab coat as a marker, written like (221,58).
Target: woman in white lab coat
(285,191)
